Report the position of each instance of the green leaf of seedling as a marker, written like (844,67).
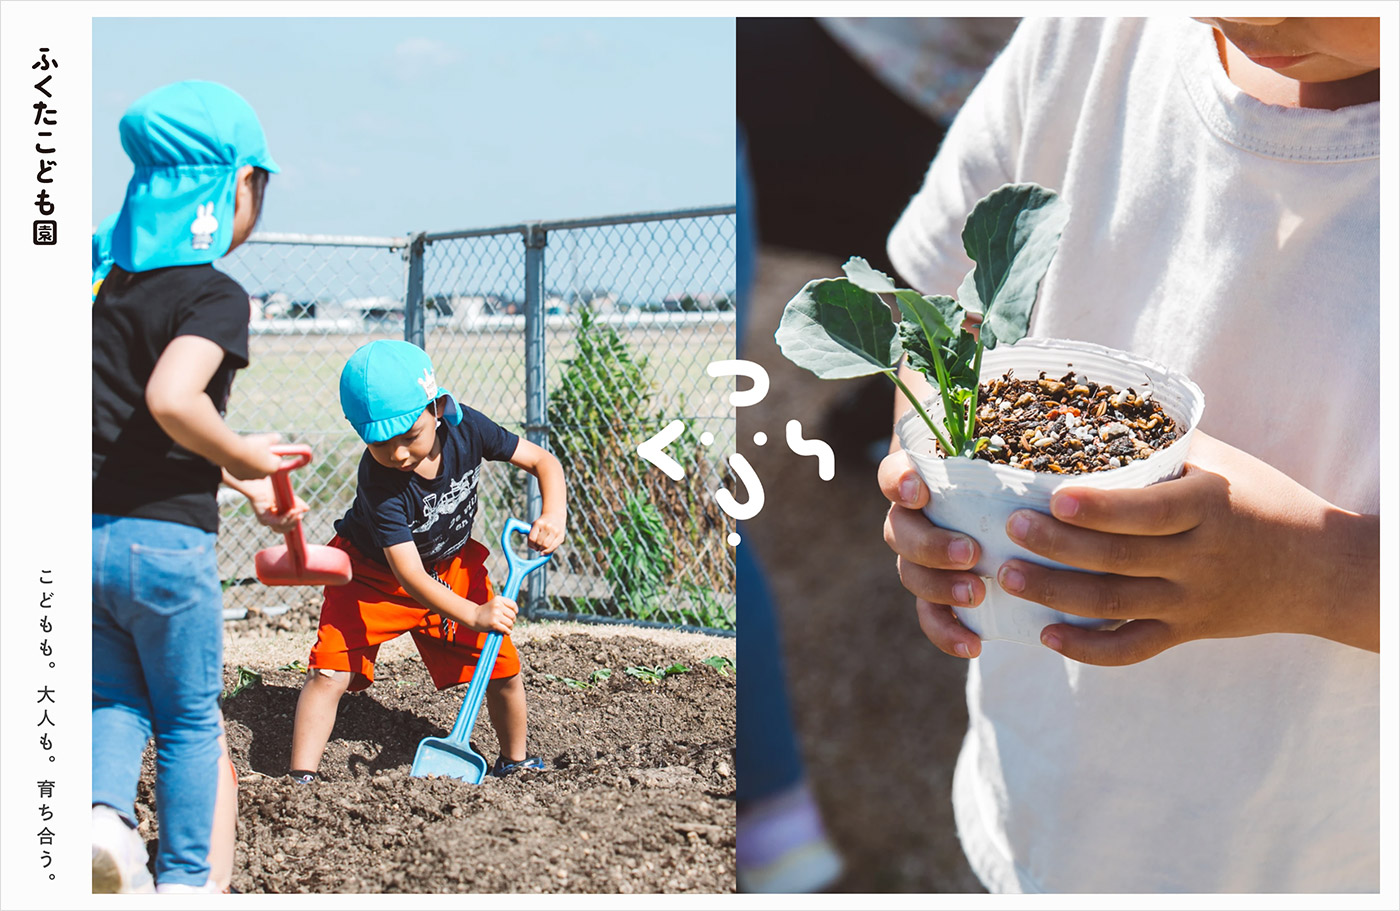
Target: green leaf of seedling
(917,352)
(837,330)
(656,673)
(938,316)
(298,665)
(601,673)
(569,681)
(866,276)
(719,663)
(959,356)
(246,677)
(1012,235)
(967,293)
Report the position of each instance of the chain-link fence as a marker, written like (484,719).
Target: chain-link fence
(585,336)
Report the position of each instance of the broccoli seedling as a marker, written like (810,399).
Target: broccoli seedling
(840,328)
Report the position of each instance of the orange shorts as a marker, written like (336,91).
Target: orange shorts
(372,608)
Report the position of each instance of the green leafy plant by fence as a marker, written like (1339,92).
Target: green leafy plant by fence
(599,410)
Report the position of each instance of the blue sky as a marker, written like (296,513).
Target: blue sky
(384,126)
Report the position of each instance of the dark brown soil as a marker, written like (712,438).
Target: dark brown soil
(1069,425)
(637,794)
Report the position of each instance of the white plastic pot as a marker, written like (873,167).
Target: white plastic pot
(977,498)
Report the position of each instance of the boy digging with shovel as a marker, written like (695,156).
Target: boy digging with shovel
(416,568)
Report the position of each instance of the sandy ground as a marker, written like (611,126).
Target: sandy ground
(881,712)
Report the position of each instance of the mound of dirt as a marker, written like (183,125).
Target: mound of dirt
(637,794)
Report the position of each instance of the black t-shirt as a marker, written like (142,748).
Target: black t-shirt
(393,506)
(137,470)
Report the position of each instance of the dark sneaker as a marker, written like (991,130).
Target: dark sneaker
(302,776)
(502,768)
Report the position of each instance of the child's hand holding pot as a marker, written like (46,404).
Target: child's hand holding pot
(934,563)
(1231,548)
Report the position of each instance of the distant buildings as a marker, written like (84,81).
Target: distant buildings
(446,309)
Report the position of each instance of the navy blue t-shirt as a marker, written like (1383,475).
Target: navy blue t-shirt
(393,506)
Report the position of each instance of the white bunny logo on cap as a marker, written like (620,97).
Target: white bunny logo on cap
(204,227)
(429,383)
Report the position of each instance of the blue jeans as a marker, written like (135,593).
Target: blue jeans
(768,759)
(157,668)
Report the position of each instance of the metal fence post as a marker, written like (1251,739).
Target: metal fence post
(413,318)
(536,395)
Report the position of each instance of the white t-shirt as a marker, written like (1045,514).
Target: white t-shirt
(1237,242)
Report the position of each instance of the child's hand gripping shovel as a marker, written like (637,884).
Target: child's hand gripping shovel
(453,755)
(296,562)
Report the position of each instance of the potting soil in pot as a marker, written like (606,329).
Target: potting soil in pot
(1069,425)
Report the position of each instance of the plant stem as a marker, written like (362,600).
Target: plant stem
(976,386)
(954,427)
(913,400)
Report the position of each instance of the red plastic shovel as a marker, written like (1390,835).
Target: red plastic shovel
(296,562)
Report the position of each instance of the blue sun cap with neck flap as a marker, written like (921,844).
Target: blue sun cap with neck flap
(187,142)
(102,251)
(385,386)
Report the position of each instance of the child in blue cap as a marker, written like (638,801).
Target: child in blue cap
(415,566)
(168,334)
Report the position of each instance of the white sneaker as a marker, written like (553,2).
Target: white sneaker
(118,854)
(169,888)
(782,845)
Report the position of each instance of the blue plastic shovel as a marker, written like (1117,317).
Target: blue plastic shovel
(453,755)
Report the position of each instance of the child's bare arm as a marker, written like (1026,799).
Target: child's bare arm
(264,502)
(548,530)
(496,615)
(176,398)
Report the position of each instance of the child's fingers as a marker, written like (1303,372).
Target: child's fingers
(544,537)
(941,586)
(1082,548)
(900,483)
(1168,508)
(913,537)
(941,627)
(1129,644)
(504,618)
(1108,597)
